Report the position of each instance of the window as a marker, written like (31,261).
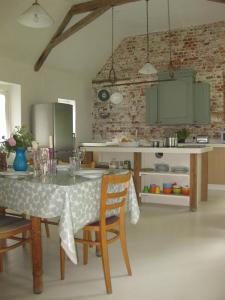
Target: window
(3,117)
(10,97)
(73,103)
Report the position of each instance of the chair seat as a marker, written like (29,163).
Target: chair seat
(109,221)
(8,223)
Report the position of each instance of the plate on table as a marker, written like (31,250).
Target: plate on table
(91,173)
(16,174)
(63,167)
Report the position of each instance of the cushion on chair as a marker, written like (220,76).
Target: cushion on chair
(109,220)
(10,223)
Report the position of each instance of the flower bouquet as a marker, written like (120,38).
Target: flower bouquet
(20,138)
(18,142)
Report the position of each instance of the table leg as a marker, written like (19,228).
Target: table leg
(193,182)
(204,177)
(37,255)
(137,177)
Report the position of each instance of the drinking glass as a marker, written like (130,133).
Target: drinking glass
(52,166)
(74,165)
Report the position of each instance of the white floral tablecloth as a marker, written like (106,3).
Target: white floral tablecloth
(75,200)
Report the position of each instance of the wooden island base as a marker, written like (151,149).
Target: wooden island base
(197,164)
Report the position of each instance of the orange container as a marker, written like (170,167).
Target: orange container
(152,188)
(167,190)
(185,190)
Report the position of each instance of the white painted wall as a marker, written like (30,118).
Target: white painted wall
(48,85)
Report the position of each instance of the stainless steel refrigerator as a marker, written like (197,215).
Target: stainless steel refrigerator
(56,120)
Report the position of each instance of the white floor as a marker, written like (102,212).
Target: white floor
(175,254)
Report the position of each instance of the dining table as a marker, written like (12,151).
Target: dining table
(75,200)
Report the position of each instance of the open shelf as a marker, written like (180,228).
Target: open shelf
(168,199)
(164,195)
(163,173)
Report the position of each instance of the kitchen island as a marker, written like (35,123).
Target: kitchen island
(194,157)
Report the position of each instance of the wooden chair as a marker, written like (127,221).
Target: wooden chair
(46,222)
(114,224)
(10,227)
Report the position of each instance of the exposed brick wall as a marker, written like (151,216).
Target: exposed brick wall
(201,48)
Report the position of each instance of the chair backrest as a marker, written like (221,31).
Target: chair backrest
(120,182)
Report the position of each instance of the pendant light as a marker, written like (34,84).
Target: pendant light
(170,67)
(148,68)
(116,97)
(36,17)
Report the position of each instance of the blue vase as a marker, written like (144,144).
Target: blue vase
(20,161)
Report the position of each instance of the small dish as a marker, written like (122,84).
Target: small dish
(16,174)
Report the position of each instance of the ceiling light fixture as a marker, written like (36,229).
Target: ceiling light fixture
(116,97)
(148,68)
(36,17)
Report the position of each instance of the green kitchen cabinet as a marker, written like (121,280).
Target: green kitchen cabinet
(175,105)
(179,101)
(201,103)
(170,103)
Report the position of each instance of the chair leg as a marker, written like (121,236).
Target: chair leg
(124,248)
(86,235)
(62,263)
(98,248)
(105,263)
(1,262)
(46,228)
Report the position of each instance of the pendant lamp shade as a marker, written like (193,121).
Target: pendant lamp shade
(148,68)
(36,17)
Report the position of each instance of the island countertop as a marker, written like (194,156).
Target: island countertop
(172,150)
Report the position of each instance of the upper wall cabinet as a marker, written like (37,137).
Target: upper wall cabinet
(202,103)
(178,102)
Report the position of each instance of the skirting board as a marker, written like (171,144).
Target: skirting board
(220,187)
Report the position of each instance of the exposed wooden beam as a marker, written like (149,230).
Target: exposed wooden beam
(60,37)
(48,48)
(219,1)
(95,4)
(96,9)
(79,25)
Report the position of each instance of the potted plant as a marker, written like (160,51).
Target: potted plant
(182,134)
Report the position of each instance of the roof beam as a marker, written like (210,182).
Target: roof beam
(60,37)
(95,4)
(96,9)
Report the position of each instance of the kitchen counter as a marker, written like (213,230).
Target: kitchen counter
(194,156)
(185,149)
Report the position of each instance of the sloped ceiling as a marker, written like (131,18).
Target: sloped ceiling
(85,52)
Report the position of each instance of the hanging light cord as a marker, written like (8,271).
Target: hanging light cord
(147,16)
(112,73)
(169,31)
